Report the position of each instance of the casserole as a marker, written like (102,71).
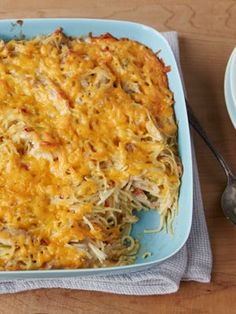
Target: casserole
(161,245)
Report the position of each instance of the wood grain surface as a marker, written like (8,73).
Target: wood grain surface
(207,30)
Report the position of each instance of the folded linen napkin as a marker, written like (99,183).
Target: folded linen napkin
(192,262)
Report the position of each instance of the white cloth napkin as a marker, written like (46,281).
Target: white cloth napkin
(192,262)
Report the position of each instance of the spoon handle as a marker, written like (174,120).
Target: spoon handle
(198,128)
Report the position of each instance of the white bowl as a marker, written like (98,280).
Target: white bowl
(232,74)
(230,87)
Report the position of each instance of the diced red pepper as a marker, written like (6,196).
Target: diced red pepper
(28,129)
(137,191)
(24,110)
(24,166)
(107,203)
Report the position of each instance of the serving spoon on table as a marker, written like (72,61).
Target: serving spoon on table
(228,198)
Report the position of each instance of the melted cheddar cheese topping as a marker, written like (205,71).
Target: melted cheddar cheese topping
(87,135)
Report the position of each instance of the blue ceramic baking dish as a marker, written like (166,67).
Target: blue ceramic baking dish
(161,245)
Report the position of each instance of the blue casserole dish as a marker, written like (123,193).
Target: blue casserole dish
(161,245)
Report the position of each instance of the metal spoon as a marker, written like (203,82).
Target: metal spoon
(228,199)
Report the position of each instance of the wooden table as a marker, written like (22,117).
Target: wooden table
(207,30)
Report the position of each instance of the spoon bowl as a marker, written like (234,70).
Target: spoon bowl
(228,199)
